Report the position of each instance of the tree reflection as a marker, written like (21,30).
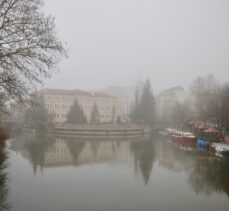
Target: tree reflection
(210,174)
(206,173)
(144,156)
(37,146)
(95,148)
(75,147)
(3,181)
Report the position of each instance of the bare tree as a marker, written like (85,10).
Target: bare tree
(181,113)
(225,106)
(29,48)
(206,93)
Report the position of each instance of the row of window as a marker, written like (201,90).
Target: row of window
(82,99)
(58,116)
(67,107)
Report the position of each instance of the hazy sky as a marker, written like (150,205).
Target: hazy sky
(113,42)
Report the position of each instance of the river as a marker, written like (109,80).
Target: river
(45,173)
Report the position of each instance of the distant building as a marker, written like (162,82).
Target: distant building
(166,101)
(58,103)
(125,97)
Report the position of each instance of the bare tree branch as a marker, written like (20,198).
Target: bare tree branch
(29,48)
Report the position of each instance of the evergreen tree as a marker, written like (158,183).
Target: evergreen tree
(147,104)
(118,120)
(135,114)
(144,109)
(76,114)
(95,116)
(113,114)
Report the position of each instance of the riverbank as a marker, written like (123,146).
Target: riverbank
(104,130)
(3,136)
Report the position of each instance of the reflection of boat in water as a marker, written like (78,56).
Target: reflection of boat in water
(168,132)
(187,148)
(220,149)
(184,138)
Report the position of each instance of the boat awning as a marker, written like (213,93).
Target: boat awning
(211,130)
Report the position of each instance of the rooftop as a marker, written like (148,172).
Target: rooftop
(76,92)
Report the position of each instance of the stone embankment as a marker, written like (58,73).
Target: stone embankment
(100,131)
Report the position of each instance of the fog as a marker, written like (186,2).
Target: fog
(116,42)
(134,116)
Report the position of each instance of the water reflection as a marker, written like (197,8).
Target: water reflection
(144,157)
(209,175)
(3,181)
(37,147)
(45,151)
(204,172)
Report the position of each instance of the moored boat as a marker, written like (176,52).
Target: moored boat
(202,144)
(184,138)
(220,149)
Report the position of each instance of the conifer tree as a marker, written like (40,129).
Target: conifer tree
(144,108)
(147,104)
(76,114)
(95,116)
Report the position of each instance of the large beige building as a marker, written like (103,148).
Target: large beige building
(58,103)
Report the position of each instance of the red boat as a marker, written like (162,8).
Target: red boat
(184,138)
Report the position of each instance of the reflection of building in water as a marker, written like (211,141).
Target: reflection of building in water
(73,152)
(59,154)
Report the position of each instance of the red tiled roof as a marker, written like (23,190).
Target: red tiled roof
(76,92)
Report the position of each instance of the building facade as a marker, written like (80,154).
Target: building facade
(125,97)
(166,101)
(58,103)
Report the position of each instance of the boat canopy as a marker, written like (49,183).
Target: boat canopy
(211,130)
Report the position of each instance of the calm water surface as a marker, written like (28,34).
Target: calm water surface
(55,174)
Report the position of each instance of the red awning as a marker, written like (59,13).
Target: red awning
(211,130)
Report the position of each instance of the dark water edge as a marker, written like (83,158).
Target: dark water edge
(48,173)
(4,180)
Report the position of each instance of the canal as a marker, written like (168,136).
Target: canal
(44,173)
